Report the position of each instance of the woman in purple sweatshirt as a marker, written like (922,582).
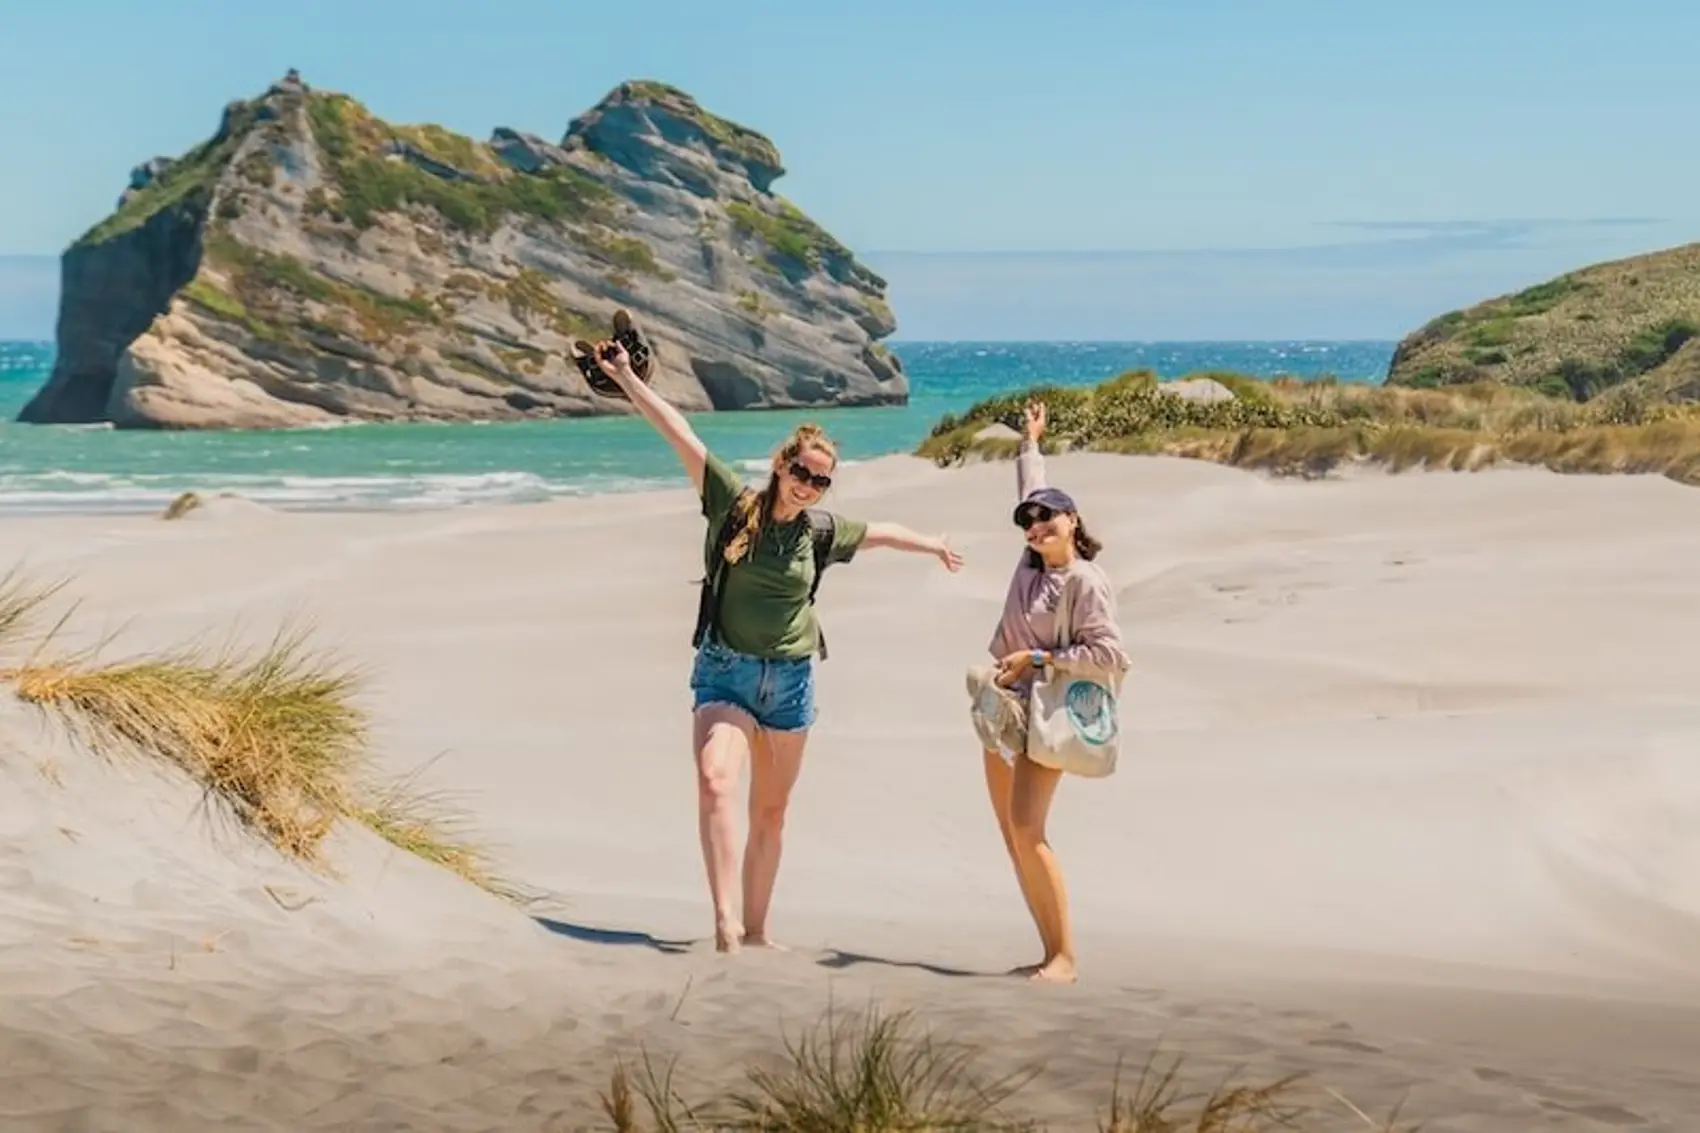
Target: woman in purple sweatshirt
(1059,554)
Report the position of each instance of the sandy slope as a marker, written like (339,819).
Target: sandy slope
(1409,798)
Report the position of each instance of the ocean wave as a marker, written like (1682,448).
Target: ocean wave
(60,492)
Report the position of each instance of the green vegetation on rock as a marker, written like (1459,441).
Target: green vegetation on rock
(1574,336)
(788,233)
(370,180)
(528,293)
(628,252)
(189,180)
(1288,425)
(266,291)
(748,144)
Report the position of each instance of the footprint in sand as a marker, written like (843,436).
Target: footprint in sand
(1347,1044)
(1602,1112)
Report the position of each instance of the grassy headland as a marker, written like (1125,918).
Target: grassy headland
(1589,330)
(1309,427)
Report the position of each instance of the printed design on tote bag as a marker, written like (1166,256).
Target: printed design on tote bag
(1092,711)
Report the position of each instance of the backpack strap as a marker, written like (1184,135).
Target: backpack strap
(822,530)
(708,601)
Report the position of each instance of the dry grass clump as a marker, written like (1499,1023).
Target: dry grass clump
(275,735)
(1310,427)
(872,1073)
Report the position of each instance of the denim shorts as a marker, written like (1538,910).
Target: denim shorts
(779,694)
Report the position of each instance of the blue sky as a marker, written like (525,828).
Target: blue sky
(1193,168)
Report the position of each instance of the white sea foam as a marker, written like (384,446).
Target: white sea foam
(104,493)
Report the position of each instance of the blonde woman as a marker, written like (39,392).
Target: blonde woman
(1059,555)
(754,675)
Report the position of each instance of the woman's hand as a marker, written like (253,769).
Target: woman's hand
(613,360)
(1035,420)
(1013,667)
(947,555)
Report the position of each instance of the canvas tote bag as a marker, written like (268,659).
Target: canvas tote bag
(1074,717)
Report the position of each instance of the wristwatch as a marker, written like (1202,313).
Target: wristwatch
(1037,656)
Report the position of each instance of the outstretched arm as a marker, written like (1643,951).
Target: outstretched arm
(899,538)
(668,421)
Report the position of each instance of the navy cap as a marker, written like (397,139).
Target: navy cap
(1054,498)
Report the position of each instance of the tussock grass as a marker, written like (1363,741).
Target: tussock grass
(873,1073)
(428,825)
(1311,427)
(274,735)
(20,601)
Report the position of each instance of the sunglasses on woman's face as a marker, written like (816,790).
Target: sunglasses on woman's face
(1038,513)
(801,473)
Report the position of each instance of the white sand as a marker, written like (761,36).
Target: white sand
(1410,797)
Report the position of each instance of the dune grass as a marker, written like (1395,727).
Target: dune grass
(872,1072)
(275,735)
(1311,427)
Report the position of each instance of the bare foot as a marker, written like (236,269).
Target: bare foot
(728,937)
(761,940)
(1057,970)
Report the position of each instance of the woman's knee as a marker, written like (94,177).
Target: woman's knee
(1026,829)
(767,817)
(719,757)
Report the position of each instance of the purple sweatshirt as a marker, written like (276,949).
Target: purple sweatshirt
(1029,607)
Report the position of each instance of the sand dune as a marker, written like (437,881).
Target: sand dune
(1409,800)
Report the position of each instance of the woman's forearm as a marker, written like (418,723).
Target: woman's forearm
(669,422)
(1029,469)
(899,538)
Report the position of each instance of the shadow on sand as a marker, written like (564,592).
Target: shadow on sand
(839,959)
(591,935)
(835,958)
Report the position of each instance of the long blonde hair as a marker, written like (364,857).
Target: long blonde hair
(756,508)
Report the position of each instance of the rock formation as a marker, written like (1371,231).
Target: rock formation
(311,263)
(1627,321)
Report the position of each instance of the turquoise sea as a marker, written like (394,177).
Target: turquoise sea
(94,468)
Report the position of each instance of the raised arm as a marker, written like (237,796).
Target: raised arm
(1029,461)
(668,421)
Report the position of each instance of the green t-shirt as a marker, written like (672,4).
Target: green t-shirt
(764,603)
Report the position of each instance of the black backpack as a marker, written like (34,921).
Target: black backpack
(821,532)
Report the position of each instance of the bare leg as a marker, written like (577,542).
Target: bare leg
(775,763)
(1000,785)
(722,738)
(1032,789)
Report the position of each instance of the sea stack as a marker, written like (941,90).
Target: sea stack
(311,263)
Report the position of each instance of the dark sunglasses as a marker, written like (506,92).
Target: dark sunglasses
(801,473)
(1038,513)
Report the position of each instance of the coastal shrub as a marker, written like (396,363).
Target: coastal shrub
(274,735)
(1303,427)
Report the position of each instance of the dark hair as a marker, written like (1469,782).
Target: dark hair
(1084,545)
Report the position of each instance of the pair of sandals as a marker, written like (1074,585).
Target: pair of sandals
(637,348)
